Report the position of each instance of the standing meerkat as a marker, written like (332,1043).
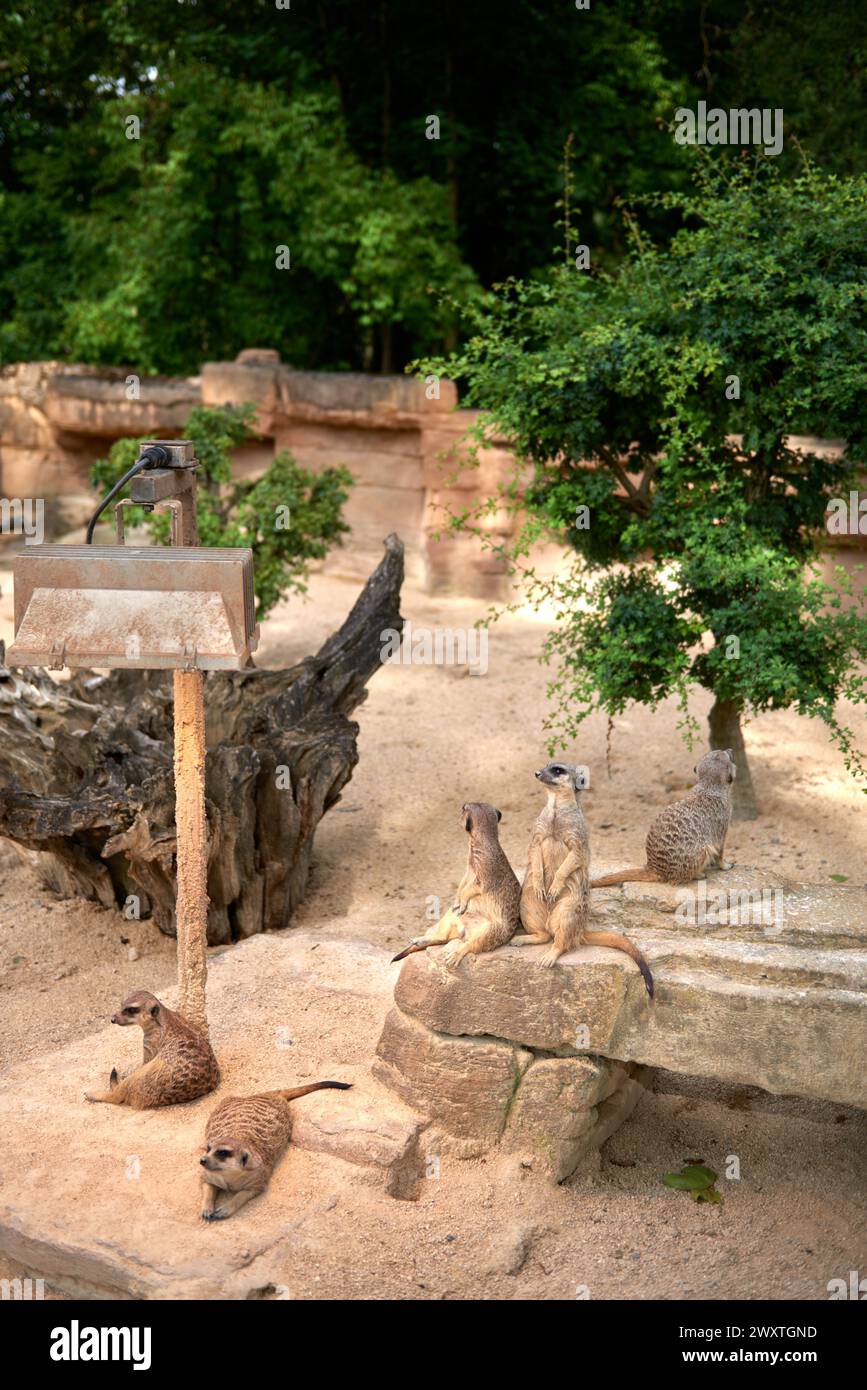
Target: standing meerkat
(244,1137)
(688,837)
(555,897)
(487,911)
(177,1065)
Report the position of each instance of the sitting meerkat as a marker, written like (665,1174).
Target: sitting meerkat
(177,1063)
(244,1137)
(688,837)
(487,911)
(555,896)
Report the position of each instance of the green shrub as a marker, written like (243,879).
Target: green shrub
(288,517)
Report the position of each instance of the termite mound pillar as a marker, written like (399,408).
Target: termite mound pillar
(191,911)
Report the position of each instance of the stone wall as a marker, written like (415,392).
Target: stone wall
(401,447)
(404,450)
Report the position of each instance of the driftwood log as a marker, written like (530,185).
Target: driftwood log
(86,787)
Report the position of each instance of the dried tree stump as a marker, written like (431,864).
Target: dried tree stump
(86,772)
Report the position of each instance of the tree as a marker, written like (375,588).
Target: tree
(655,406)
(288,517)
(159,251)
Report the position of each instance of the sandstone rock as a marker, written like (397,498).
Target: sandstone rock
(745,904)
(374,1131)
(482,1093)
(509,1249)
(465,1083)
(258,357)
(732,1002)
(98,405)
(557,1109)
(507,994)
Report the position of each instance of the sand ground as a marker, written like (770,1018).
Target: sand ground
(432,737)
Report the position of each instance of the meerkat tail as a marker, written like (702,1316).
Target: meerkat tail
(416,946)
(315,1086)
(643,875)
(621,943)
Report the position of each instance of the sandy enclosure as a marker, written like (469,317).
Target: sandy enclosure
(432,737)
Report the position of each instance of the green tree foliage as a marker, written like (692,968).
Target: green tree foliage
(655,406)
(306,127)
(288,517)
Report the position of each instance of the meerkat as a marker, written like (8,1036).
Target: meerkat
(555,896)
(177,1062)
(244,1137)
(688,837)
(487,911)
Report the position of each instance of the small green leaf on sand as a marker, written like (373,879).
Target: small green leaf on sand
(695,1179)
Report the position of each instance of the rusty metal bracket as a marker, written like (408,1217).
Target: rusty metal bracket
(57,656)
(190,657)
(176,507)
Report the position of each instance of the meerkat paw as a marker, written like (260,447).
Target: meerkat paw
(551,956)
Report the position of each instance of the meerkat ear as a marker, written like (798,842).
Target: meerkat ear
(244,1158)
(499,814)
(468,823)
(154,1010)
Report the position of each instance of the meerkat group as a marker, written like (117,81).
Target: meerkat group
(245,1135)
(553,902)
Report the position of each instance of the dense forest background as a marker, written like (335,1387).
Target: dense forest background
(307,128)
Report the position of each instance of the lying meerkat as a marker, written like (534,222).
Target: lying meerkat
(688,837)
(487,911)
(177,1062)
(555,897)
(244,1137)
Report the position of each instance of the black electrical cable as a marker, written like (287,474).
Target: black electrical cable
(154,457)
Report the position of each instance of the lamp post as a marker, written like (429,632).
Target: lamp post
(186,609)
